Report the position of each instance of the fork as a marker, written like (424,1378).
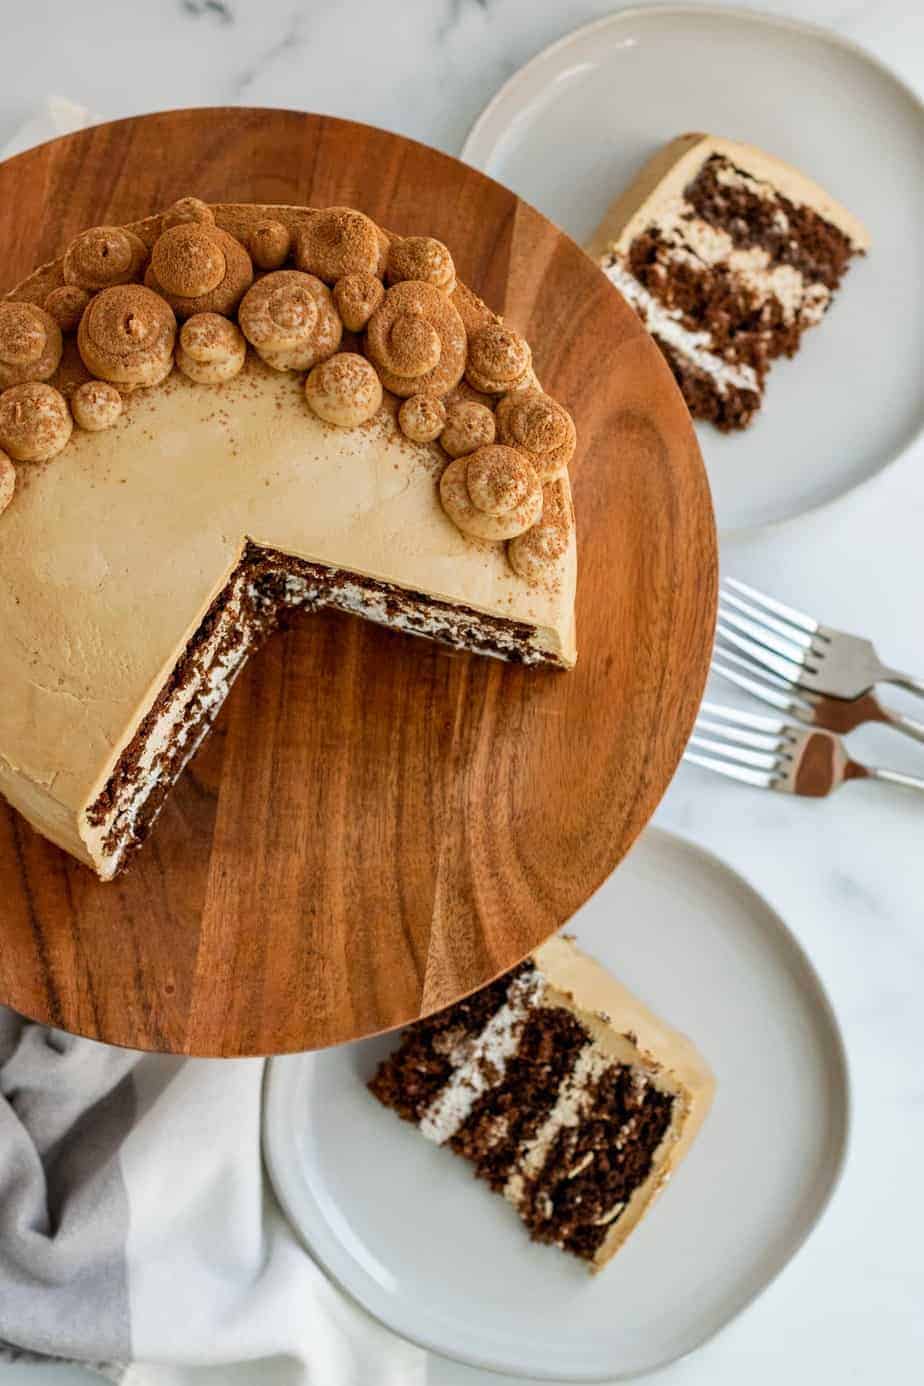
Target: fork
(814,709)
(773,754)
(800,650)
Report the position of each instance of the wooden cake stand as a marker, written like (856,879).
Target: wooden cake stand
(378,825)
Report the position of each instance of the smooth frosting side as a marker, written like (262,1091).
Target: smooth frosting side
(627,1031)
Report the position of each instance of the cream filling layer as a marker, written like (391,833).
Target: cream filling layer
(666,324)
(486,1063)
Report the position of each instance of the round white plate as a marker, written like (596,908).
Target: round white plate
(405,1229)
(573,126)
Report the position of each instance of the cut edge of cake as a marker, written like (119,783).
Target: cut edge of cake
(580,1054)
(722,381)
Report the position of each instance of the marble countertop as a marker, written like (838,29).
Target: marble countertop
(848,875)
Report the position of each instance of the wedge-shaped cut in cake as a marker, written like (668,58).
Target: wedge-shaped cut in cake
(566,1093)
(728,255)
(219,415)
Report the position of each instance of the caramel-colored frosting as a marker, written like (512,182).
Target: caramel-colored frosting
(198,268)
(211,349)
(356,297)
(35,424)
(447,370)
(417,339)
(66,305)
(103,256)
(96,405)
(30,344)
(541,428)
(536,555)
(344,390)
(338,241)
(492,493)
(7,481)
(422,418)
(290,320)
(80,668)
(498,359)
(270,244)
(422,258)
(126,336)
(469,426)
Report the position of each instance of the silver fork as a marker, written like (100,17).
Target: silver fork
(773,754)
(814,709)
(800,650)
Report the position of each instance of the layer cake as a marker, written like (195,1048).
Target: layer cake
(565,1092)
(347,426)
(728,255)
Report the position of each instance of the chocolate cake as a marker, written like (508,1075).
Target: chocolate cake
(222,415)
(567,1095)
(728,256)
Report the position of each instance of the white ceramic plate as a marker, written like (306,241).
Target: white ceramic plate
(405,1229)
(573,126)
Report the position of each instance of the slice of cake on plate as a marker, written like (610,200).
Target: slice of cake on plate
(728,255)
(347,426)
(567,1094)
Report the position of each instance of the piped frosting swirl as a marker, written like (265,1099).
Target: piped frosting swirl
(491,494)
(417,339)
(126,336)
(290,320)
(104,256)
(30,344)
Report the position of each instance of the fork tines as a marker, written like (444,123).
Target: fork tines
(772,635)
(743,745)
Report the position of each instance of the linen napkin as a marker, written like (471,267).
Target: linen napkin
(138,1233)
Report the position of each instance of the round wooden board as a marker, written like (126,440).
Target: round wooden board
(377,825)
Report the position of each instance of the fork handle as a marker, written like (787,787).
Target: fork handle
(893,777)
(907,681)
(900,722)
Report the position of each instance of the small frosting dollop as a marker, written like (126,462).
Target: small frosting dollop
(357,296)
(7,481)
(290,319)
(96,405)
(338,241)
(468,427)
(344,390)
(103,256)
(211,349)
(491,494)
(186,210)
(498,359)
(30,344)
(199,269)
(423,258)
(417,339)
(66,305)
(536,555)
(270,244)
(540,427)
(422,418)
(126,336)
(35,423)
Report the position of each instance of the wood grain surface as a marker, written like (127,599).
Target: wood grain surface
(378,825)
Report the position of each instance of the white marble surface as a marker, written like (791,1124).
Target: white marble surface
(847,874)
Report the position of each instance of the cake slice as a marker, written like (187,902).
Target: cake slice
(728,255)
(565,1092)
